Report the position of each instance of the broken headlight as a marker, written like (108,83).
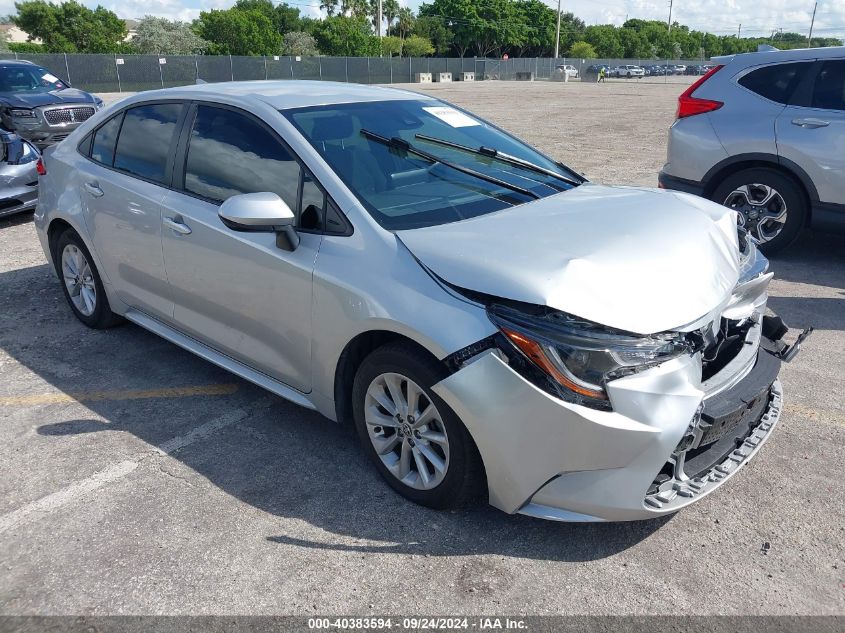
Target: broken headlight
(580,357)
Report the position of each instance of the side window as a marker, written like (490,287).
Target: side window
(102,149)
(145,139)
(776,82)
(829,88)
(230,153)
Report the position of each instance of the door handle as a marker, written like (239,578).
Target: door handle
(93,188)
(177,227)
(810,124)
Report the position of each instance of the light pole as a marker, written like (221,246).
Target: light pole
(379,18)
(812,22)
(557,32)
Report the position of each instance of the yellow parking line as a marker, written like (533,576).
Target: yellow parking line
(127,394)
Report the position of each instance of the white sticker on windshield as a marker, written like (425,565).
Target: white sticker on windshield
(51,78)
(453,117)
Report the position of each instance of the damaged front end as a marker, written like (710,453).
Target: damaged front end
(643,425)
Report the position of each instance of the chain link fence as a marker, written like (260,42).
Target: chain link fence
(132,73)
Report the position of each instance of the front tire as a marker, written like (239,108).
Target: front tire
(771,205)
(414,439)
(81,283)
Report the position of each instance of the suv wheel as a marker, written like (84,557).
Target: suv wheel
(771,205)
(416,442)
(81,283)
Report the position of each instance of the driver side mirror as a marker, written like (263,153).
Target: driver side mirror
(261,212)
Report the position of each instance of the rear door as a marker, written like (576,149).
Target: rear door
(236,291)
(811,129)
(122,185)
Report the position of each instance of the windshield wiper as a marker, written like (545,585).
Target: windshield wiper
(495,154)
(401,144)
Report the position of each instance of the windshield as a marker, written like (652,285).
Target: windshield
(404,190)
(26,78)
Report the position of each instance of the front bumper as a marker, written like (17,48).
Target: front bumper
(548,458)
(18,188)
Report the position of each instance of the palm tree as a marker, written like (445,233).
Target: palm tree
(330,6)
(390,10)
(404,21)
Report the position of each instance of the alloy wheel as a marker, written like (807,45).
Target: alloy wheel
(79,280)
(406,431)
(761,209)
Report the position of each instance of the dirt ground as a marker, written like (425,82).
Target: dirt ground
(136,478)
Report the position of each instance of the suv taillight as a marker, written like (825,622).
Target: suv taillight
(689,105)
(40,168)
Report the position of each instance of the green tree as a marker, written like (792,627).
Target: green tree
(435,31)
(340,35)
(391,46)
(70,27)
(582,50)
(160,36)
(417,46)
(605,40)
(238,32)
(330,6)
(299,43)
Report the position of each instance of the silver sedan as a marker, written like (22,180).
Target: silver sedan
(493,325)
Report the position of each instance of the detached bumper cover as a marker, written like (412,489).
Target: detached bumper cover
(548,458)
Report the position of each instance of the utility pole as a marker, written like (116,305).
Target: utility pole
(812,22)
(379,18)
(670,16)
(557,32)
(739,31)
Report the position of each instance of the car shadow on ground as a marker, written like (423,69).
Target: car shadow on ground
(280,458)
(817,259)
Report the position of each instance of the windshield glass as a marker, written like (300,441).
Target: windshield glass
(403,190)
(26,78)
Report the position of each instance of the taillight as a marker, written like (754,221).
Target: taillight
(39,167)
(690,106)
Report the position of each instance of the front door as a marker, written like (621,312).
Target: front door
(237,291)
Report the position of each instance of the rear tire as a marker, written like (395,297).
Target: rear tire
(771,205)
(81,283)
(395,410)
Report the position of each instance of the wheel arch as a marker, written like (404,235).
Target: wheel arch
(784,166)
(55,229)
(350,359)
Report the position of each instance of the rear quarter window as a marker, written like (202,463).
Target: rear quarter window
(829,87)
(776,82)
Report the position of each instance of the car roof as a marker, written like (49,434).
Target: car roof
(288,93)
(16,62)
(766,57)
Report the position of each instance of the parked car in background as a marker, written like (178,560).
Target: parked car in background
(569,69)
(628,71)
(39,106)
(655,71)
(408,268)
(763,133)
(19,164)
(680,69)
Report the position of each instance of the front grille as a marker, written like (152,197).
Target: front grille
(58,116)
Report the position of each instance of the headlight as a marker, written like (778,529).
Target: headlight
(23,114)
(580,357)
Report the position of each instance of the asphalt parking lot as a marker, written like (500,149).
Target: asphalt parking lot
(136,478)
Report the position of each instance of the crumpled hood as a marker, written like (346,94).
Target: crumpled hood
(54,97)
(641,260)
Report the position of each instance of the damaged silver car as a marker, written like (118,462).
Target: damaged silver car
(494,325)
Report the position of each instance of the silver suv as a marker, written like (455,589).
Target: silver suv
(763,133)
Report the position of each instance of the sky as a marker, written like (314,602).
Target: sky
(758,17)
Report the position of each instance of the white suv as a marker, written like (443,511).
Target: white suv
(629,70)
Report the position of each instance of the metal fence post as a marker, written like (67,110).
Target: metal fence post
(117,71)
(196,68)
(265,67)
(369,78)
(320,65)
(160,73)
(231,68)
(390,61)
(67,69)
